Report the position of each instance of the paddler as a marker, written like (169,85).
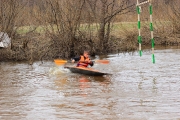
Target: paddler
(83,60)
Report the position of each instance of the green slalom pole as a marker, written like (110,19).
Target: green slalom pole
(151,29)
(138,7)
(139,28)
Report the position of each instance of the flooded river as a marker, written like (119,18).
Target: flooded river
(136,90)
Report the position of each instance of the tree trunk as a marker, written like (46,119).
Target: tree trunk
(102,25)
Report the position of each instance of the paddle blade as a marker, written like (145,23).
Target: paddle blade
(103,61)
(60,62)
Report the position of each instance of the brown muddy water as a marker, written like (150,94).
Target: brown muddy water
(137,90)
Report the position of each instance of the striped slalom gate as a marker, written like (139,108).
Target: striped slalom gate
(139,28)
(138,7)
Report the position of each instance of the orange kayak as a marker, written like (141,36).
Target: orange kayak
(86,71)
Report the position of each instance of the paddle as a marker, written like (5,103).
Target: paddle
(61,62)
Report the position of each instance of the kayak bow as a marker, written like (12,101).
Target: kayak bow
(86,71)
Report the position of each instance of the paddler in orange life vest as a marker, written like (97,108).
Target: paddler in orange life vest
(83,60)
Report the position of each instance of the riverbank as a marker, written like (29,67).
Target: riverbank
(44,51)
(38,45)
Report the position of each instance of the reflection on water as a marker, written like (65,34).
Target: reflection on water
(81,85)
(137,90)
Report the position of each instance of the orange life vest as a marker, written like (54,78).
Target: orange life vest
(83,62)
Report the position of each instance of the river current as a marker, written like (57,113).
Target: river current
(136,90)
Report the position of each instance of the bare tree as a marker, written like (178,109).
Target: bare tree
(104,11)
(63,17)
